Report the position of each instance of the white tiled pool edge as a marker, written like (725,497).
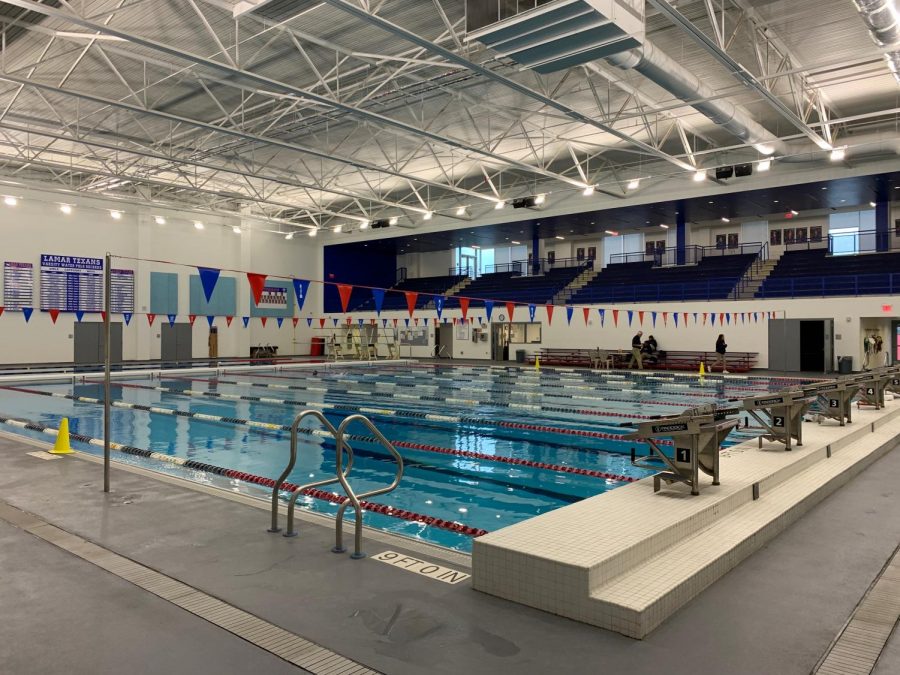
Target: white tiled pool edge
(628,559)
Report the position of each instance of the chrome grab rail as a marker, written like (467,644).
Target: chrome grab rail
(295,425)
(352,497)
(341,473)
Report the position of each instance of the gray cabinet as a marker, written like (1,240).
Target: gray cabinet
(90,344)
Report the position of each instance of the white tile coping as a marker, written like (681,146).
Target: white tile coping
(594,561)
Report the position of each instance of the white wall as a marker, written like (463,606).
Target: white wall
(37,226)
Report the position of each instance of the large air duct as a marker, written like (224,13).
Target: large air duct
(882,18)
(663,70)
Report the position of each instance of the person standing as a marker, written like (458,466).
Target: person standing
(721,348)
(636,351)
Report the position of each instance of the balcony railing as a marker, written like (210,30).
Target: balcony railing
(885,283)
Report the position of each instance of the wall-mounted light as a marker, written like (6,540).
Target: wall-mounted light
(499,205)
(198,224)
(634,184)
(9,200)
(838,154)
(764,165)
(588,191)
(313,232)
(699,176)
(428,215)
(116,215)
(159,220)
(461,211)
(394,220)
(540,199)
(236,229)
(364,225)
(337,229)
(66,208)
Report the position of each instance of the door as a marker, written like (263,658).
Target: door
(497,342)
(89,343)
(894,344)
(812,346)
(213,342)
(445,332)
(176,342)
(784,345)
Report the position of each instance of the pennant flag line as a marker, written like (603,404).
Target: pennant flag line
(79,315)
(54,315)
(209,277)
(300,288)
(464,306)
(569,312)
(378,298)
(257,284)
(344,290)
(26,313)
(245,320)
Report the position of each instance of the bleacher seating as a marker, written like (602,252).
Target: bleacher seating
(509,287)
(799,274)
(427,287)
(713,278)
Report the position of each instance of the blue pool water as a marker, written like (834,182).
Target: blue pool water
(514,413)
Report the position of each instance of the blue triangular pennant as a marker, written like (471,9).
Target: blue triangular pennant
(407,322)
(127,316)
(630,316)
(79,315)
(569,312)
(728,318)
(531,310)
(602,316)
(360,322)
(488,308)
(210,319)
(300,288)
(675,314)
(439,304)
(209,276)
(384,323)
(245,320)
(279,321)
(713,317)
(426,320)
(653,315)
(378,297)
(695,317)
(27,312)
(480,321)
(172,318)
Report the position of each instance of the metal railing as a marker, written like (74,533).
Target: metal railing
(460,271)
(401,275)
(341,473)
(690,255)
(885,283)
(515,267)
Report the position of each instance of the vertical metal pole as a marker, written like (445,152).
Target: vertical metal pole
(106,369)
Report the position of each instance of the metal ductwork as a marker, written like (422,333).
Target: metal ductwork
(882,18)
(664,71)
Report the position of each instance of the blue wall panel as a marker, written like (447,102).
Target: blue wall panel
(163,293)
(223,301)
(271,293)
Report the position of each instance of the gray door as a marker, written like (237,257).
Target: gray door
(829,346)
(784,345)
(89,342)
(446,340)
(176,342)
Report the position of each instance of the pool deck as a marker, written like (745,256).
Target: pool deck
(770,614)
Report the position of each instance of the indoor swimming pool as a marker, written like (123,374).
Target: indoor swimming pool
(484,447)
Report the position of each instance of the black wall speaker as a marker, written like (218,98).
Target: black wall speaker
(742,170)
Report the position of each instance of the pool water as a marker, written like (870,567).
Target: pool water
(483,446)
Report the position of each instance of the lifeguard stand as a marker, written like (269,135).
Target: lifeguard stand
(785,411)
(697,433)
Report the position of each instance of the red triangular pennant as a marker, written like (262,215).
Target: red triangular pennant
(295,321)
(615,317)
(1,311)
(641,317)
(510,309)
(416,320)
(228,320)
(321,323)
(263,320)
(103,316)
(587,311)
(344,290)
(411,297)
(721,318)
(684,317)
(257,283)
(665,318)
(395,322)
(463,305)
(151,318)
(549,315)
(192,318)
(54,315)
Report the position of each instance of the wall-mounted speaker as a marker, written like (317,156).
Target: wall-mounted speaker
(724,172)
(743,170)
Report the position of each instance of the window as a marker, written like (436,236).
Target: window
(844,240)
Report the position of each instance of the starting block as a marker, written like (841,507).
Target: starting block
(698,434)
(785,411)
(871,388)
(834,398)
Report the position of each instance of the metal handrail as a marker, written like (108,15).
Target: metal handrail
(352,497)
(295,425)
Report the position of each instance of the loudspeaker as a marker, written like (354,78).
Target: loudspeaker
(724,172)
(742,170)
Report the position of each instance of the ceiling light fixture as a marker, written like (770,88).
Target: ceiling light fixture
(236,229)
(515,242)
(726,220)
(289,236)
(364,225)
(393,221)
(114,214)
(10,200)
(764,149)
(474,246)
(663,226)
(313,232)
(559,236)
(699,176)
(198,224)
(428,215)
(66,208)
(872,204)
(540,199)
(461,211)
(612,233)
(159,220)
(337,229)
(588,191)
(838,154)
(764,165)
(499,205)
(823,144)
(634,184)
(796,213)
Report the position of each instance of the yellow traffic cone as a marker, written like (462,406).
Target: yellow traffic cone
(537,362)
(62,447)
(702,369)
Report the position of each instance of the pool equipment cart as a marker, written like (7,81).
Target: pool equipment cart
(341,473)
(698,434)
(834,398)
(781,415)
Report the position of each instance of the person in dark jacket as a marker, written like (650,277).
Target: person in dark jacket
(721,348)
(636,351)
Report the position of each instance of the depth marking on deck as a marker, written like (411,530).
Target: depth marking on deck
(421,567)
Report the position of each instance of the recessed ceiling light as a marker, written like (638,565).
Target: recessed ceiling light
(394,220)
(197,224)
(838,154)
(337,229)
(515,242)
(711,202)
(10,201)
(461,211)
(427,215)
(540,199)
(665,227)
(699,176)
(559,236)
(764,165)
(726,220)
(825,188)
(66,208)
(115,214)
(872,204)
(364,225)
(499,205)
(796,213)
(159,220)
(634,184)
(588,191)
(612,233)
(313,232)
(236,229)
(774,201)
(764,149)
(289,236)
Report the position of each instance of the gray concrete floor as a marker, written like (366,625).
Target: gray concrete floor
(889,662)
(775,613)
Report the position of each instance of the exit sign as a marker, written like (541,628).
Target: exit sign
(887,309)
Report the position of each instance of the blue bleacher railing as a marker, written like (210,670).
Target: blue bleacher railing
(461,271)
(886,283)
(401,275)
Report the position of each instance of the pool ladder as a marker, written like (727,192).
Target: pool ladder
(341,473)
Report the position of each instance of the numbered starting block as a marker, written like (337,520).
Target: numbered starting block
(871,388)
(892,384)
(785,411)
(697,433)
(834,399)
